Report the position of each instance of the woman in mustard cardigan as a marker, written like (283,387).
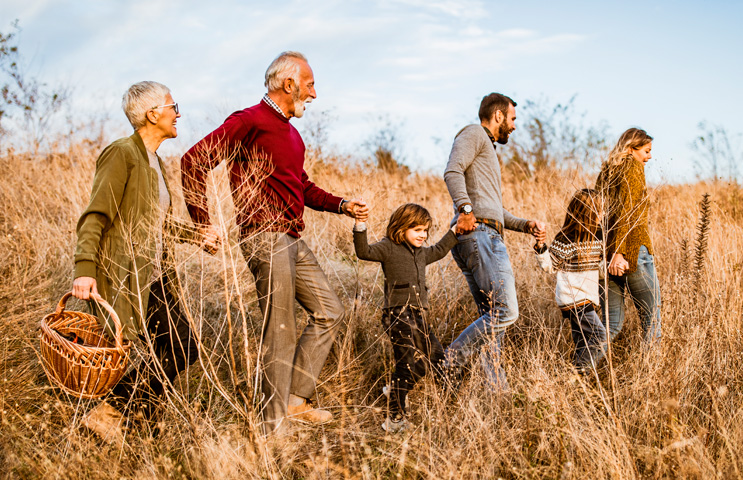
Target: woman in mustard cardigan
(629,249)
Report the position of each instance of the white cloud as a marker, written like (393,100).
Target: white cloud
(413,60)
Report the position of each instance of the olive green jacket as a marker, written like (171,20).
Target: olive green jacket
(117,232)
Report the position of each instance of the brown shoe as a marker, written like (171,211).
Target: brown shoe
(105,421)
(305,413)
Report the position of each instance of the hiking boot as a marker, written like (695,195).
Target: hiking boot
(105,421)
(305,413)
(395,425)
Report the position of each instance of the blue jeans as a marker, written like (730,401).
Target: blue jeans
(483,258)
(645,293)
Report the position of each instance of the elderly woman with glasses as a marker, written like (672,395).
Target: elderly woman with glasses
(125,236)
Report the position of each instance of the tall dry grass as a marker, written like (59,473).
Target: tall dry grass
(673,411)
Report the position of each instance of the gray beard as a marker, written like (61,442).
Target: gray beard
(299,106)
(298,109)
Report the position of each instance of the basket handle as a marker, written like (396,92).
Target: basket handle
(103,303)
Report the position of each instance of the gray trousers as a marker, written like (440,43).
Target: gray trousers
(285,269)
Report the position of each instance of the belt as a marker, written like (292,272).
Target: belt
(494,224)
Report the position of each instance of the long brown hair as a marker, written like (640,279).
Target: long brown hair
(583,216)
(407,216)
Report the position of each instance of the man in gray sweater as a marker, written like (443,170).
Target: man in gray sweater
(473,178)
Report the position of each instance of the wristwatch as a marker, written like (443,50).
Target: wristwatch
(465,209)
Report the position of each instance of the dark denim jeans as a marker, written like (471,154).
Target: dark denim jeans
(644,291)
(483,258)
(589,336)
(416,349)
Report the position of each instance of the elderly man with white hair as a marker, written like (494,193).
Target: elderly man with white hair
(124,237)
(270,189)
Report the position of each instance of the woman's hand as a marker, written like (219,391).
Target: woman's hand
(82,287)
(618,265)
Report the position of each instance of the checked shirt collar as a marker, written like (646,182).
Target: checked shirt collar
(273,105)
(491,137)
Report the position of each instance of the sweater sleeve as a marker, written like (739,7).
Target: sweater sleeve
(318,199)
(630,193)
(376,252)
(465,149)
(544,260)
(512,222)
(436,252)
(560,253)
(202,158)
(109,182)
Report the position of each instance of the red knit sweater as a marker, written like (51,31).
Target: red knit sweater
(265,156)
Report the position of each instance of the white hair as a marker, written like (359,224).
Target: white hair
(140,99)
(284,66)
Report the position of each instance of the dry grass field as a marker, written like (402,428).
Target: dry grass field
(674,411)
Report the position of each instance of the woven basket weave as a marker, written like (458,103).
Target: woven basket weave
(90,369)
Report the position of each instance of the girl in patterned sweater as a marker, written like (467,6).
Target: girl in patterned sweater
(576,255)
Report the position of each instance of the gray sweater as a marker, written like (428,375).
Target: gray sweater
(404,266)
(473,176)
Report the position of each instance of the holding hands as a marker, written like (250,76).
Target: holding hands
(356,209)
(466,223)
(618,265)
(538,230)
(210,239)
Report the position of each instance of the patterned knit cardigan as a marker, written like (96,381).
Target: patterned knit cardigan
(577,265)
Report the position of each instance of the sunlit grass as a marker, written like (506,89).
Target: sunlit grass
(671,412)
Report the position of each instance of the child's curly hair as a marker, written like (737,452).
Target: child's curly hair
(407,216)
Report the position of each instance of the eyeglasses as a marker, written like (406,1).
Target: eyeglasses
(174,105)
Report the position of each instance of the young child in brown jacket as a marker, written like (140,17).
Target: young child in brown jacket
(404,261)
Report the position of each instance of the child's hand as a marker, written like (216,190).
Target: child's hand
(357,209)
(538,244)
(537,229)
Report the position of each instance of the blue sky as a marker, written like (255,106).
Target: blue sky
(661,65)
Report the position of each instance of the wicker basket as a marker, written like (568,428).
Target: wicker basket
(87,370)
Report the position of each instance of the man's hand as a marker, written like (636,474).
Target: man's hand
(618,265)
(210,239)
(466,223)
(537,229)
(82,287)
(356,209)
